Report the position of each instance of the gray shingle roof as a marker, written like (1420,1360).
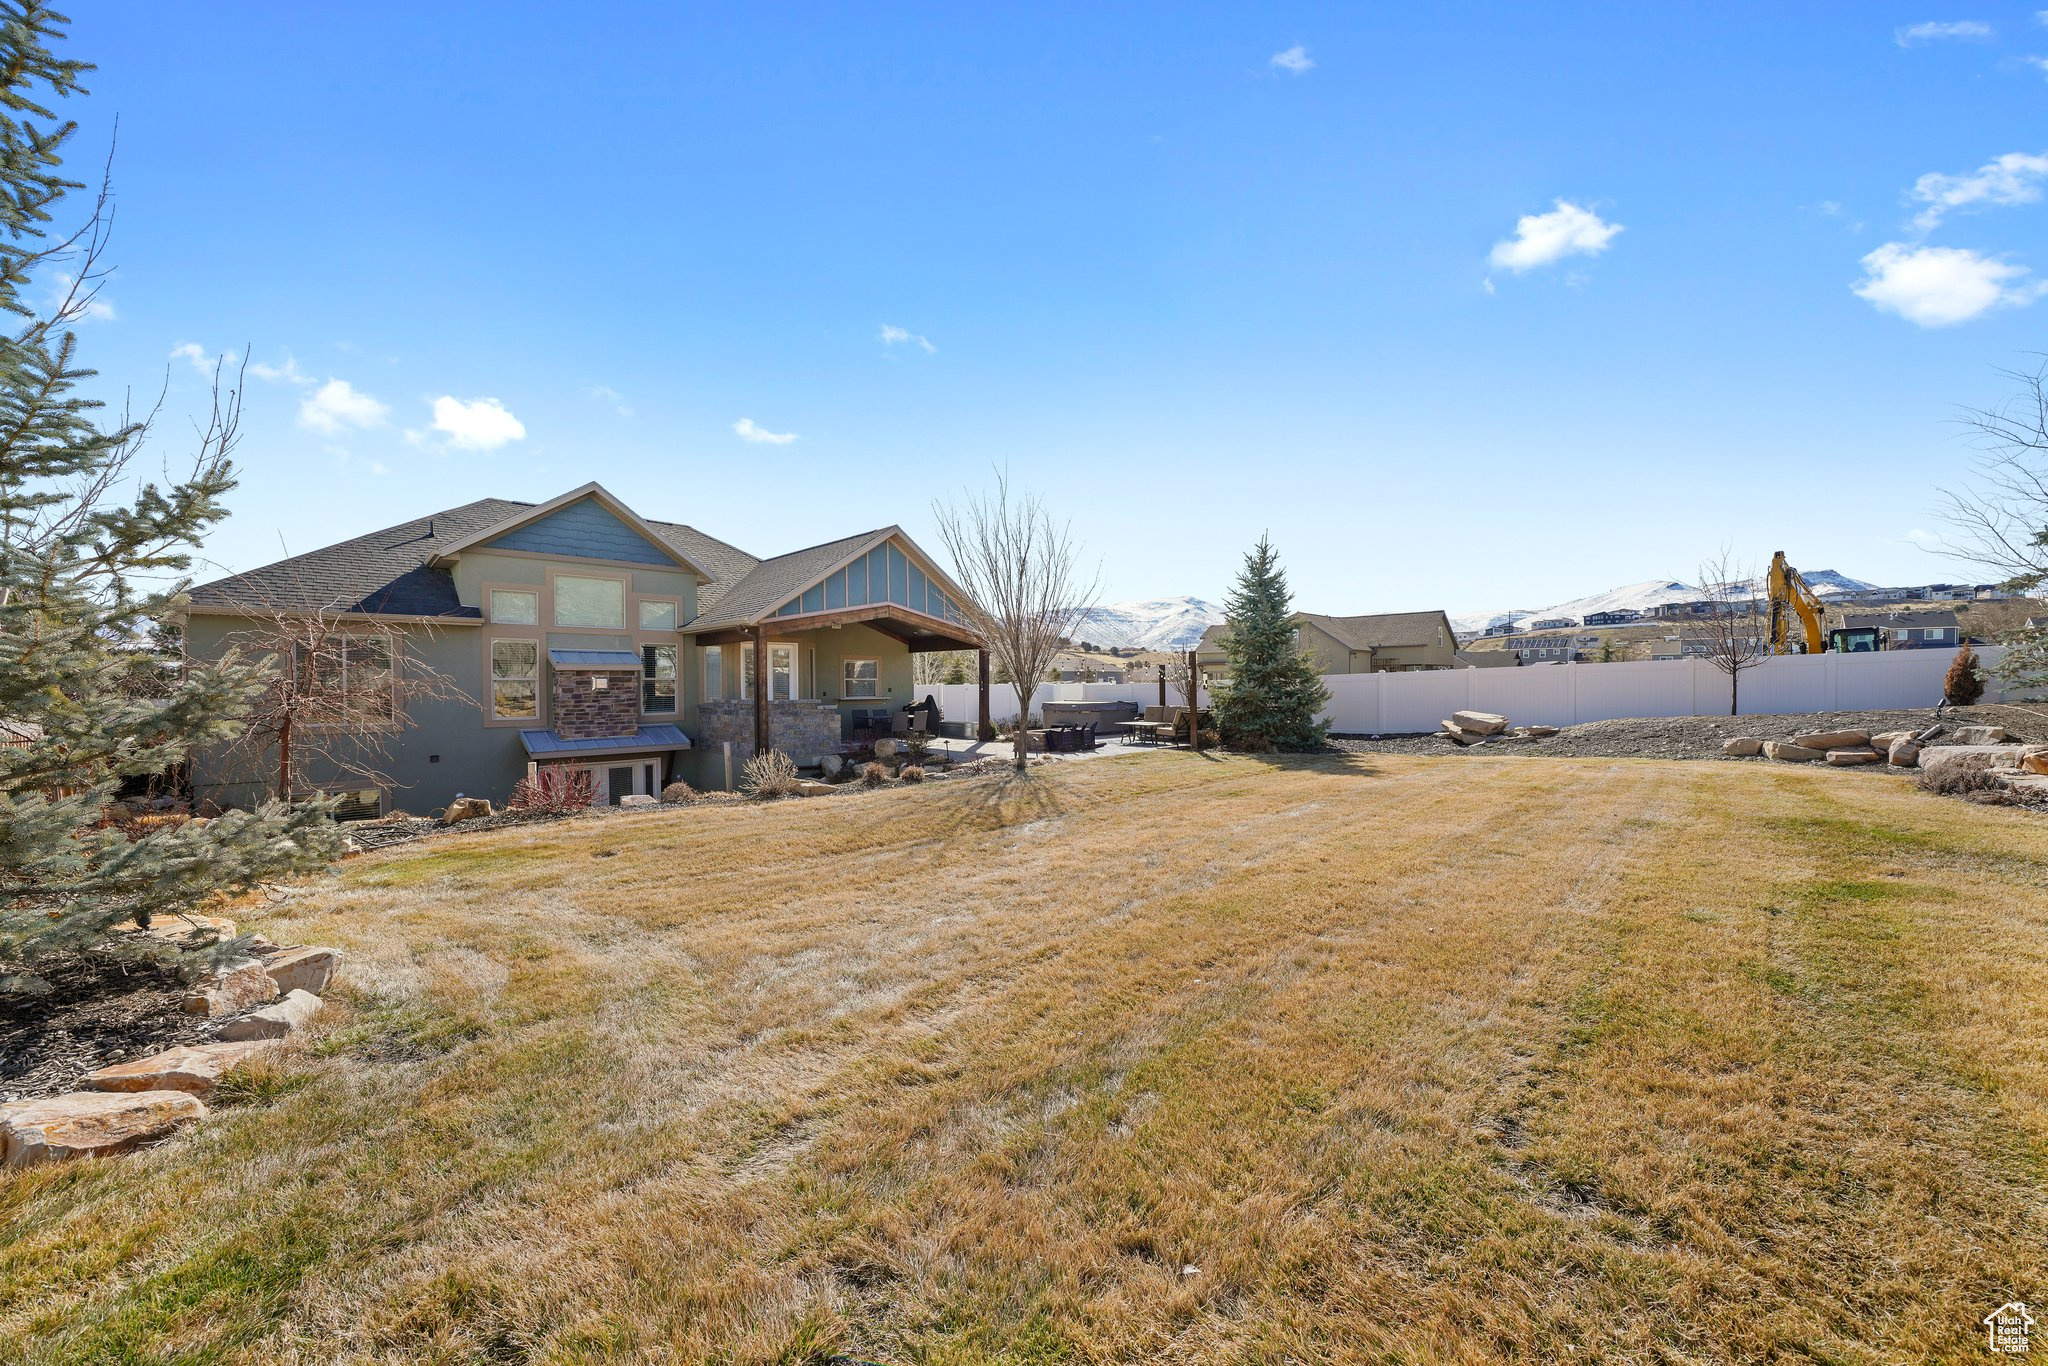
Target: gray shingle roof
(387,571)
(1390,629)
(773,582)
(1903,620)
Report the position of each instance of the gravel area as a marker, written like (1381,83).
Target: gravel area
(1700,737)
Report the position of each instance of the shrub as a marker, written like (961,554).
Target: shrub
(912,773)
(678,794)
(1965,681)
(1973,784)
(873,775)
(769,775)
(553,790)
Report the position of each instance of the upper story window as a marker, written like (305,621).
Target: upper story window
(658,678)
(589,602)
(658,615)
(515,607)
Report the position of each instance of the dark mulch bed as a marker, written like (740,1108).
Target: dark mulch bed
(99,1012)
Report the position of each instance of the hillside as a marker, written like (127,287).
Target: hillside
(1154,624)
(1640,597)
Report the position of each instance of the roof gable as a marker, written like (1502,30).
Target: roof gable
(585,530)
(648,545)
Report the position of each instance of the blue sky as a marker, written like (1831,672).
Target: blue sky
(1469,306)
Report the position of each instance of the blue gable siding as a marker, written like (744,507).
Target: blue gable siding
(583,531)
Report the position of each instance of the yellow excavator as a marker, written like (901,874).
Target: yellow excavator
(1789,594)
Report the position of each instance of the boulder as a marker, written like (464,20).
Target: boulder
(236,987)
(1848,758)
(1832,739)
(637,802)
(1979,735)
(1742,745)
(1461,735)
(1540,732)
(273,1022)
(1940,759)
(1903,753)
(466,809)
(831,765)
(885,747)
(178,928)
(1480,722)
(192,1068)
(1790,753)
(302,969)
(2029,787)
(1885,739)
(90,1124)
(807,787)
(2034,761)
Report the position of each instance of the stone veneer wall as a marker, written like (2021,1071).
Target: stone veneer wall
(802,730)
(581,712)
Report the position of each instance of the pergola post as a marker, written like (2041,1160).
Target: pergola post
(761,745)
(985,730)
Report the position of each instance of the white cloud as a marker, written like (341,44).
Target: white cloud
(898,336)
(749,432)
(1543,238)
(336,405)
(1922,537)
(200,358)
(479,424)
(2039,64)
(612,398)
(288,373)
(2014,178)
(1294,59)
(1942,286)
(1971,29)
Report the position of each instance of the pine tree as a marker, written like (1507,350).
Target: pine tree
(91,688)
(1274,692)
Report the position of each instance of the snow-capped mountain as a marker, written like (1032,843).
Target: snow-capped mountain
(1155,624)
(1640,597)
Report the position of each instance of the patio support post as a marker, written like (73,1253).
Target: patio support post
(761,745)
(984,730)
(1162,685)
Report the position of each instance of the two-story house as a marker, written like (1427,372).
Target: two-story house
(580,634)
(1387,642)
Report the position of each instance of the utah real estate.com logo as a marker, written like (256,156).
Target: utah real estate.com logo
(2006,1327)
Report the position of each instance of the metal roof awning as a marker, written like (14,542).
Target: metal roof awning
(541,744)
(593,659)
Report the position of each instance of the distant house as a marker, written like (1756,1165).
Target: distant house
(1863,631)
(1697,643)
(1487,659)
(1553,649)
(1554,624)
(1946,592)
(1500,628)
(1991,592)
(1671,611)
(1620,616)
(1387,642)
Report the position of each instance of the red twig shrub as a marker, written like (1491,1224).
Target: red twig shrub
(553,791)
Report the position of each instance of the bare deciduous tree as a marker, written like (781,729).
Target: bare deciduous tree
(1734,636)
(1024,582)
(2002,523)
(942,666)
(339,694)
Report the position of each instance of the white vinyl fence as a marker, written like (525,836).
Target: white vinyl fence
(1559,694)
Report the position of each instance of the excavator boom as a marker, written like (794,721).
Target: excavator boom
(1789,597)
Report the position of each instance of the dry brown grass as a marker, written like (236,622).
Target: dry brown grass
(1162,1059)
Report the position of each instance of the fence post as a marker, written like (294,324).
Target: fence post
(1571,690)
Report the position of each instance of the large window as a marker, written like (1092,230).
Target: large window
(349,680)
(515,680)
(863,678)
(714,673)
(515,607)
(589,602)
(659,615)
(781,671)
(658,678)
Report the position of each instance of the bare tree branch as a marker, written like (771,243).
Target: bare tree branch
(1734,637)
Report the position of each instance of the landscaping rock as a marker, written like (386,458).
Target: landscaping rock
(90,1124)
(1480,722)
(1848,758)
(637,802)
(831,765)
(2034,761)
(273,1022)
(466,809)
(1979,735)
(1461,735)
(1884,740)
(234,988)
(178,928)
(302,969)
(192,1068)
(885,747)
(1540,732)
(1903,753)
(807,787)
(1787,752)
(1832,739)
(2029,787)
(1742,745)
(1942,759)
